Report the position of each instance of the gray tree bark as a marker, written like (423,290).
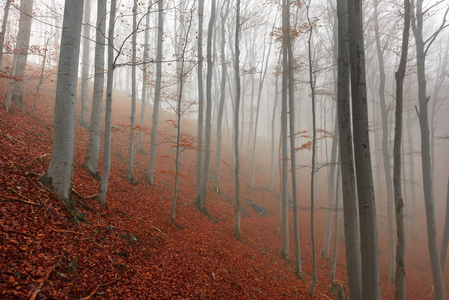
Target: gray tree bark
(157,94)
(445,242)
(93,146)
(351,225)
(399,203)
(16,87)
(3,32)
(365,191)
(101,198)
(222,96)
(429,200)
(60,171)
(84,116)
(130,173)
(236,124)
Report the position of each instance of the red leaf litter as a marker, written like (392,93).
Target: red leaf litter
(130,249)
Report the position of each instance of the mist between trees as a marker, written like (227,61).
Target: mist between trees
(348,97)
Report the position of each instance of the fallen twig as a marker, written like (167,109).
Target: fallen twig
(20,200)
(160,232)
(91,294)
(67,231)
(79,195)
(41,284)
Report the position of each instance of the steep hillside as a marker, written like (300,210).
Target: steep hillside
(129,249)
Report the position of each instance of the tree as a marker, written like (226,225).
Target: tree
(385,151)
(236,124)
(157,93)
(351,226)
(101,198)
(399,203)
(3,32)
(445,242)
(85,67)
(59,174)
(130,173)
(199,203)
(93,146)
(222,95)
(421,52)
(284,156)
(365,190)
(19,62)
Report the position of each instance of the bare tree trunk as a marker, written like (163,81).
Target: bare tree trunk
(16,87)
(336,210)
(425,151)
(130,173)
(101,198)
(157,94)
(399,204)
(144,82)
(273,122)
(312,174)
(222,96)
(210,70)
(236,124)
(284,160)
(199,203)
(365,190)
(351,225)
(3,32)
(385,151)
(42,78)
(93,147)
(60,171)
(85,67)
(445,242)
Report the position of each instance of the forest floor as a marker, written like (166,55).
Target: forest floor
(130,249)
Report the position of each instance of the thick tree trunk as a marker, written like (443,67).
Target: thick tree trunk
(351,225)
(84,116)
(365,190)
(60,171)
(16,87)
(3,32)
(429,199)
(336,221)
(399,204)
(445,242)
(130,173)
(93,147)
(101,198)
(157,94)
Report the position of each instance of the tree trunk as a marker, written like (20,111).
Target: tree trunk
(399,204)
(365,190)
(210,70)
(284,160)
(336,210)
(85,67)
(199,203)
(157,94)
(273,122)
(60,171)
(3,32)
(236,124)
(107,120)
(351,227)
(385,151)
(222,97)
(19,63)
(445,242)
(130,173)
(93,147)
(437,274)
(144,83)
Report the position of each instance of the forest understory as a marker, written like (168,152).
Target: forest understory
(130,249)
